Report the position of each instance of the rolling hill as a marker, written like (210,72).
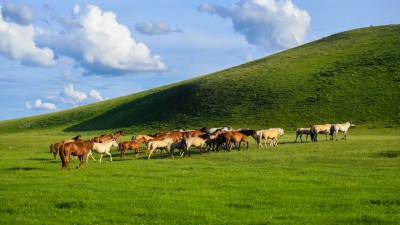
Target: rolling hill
(352,75)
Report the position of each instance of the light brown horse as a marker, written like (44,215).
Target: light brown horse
(131,145)
(55,147)
(108,137)
(79,148)
(320,129)
(174,135)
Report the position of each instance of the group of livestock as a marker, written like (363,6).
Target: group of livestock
(204,139)
(331,129)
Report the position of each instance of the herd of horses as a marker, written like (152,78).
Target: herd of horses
(204,139)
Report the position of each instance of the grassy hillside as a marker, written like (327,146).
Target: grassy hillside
(353,75)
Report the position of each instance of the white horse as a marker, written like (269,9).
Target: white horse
(343,127)
(165,143)
(102,148)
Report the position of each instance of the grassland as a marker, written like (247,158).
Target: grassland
(335,182)
(351,75)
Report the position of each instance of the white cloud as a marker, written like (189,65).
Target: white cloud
(17,43)
(96,95)
(101,44)
(155,28)
(41,105)
(73,96)
(269,24)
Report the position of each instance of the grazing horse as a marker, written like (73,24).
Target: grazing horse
(301,131)
(79,148)
(131,145)
(320,129)
(107,137)
(161,145)
(102,148)
(237,137)
(55,147)
(335,128)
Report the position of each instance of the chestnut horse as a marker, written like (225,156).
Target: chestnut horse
(131,145)
(79,148)
(236,137)
(55,147)
(108,137)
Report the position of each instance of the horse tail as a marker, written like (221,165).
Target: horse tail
(313,133)
(332,130)
(184,146)
(62,156)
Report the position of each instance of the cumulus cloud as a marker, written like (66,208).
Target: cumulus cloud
(96,95)
(269,24)
(17,39)
(73,96)
(41,105)
(155,28)
(101,44)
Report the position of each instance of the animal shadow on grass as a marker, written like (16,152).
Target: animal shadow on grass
(25,169)
(388,154)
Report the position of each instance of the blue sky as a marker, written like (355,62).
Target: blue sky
(56,55)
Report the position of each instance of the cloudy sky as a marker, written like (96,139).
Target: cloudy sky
(56,55)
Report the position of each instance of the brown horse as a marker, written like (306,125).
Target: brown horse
(236,137)
(55,147)
(108,137)
(174,135)
(79,148)
(131,145)
(194,133)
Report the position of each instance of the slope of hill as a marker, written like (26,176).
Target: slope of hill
(353,75)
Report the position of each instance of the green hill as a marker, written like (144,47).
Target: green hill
(353,75)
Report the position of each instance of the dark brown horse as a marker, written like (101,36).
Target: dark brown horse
(79,148)
(236,137)
(55,147)
(108,137)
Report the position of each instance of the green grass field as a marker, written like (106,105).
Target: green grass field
(335,182)
(353,75)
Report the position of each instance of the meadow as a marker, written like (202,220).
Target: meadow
(328,182)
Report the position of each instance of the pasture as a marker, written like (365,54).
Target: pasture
(335,182)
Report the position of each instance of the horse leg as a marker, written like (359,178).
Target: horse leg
(150,153)
(108,153)
(344,135)
(306,137)
(101,156)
